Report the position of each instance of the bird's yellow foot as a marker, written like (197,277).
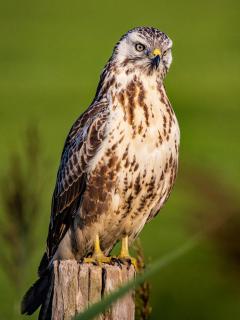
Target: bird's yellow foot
(97,259)
(124,254)
(98,256)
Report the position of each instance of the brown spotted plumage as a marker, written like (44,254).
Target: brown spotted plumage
(120,158)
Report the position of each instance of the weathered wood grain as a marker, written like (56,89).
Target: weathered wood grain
(77,286)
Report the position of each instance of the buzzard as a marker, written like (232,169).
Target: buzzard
(119,161)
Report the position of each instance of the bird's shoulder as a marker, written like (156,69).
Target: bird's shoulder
(82,143)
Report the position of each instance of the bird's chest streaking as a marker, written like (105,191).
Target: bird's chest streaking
(133,172)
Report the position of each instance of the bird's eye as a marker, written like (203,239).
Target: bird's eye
(165,53)
(139,47)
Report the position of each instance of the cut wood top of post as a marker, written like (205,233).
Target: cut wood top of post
(78,285)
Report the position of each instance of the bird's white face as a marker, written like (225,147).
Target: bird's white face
(146,49)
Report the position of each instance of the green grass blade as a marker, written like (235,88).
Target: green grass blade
(106,302)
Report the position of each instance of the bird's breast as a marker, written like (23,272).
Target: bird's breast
(137,161)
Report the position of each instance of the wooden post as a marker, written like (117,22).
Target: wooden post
(76,286)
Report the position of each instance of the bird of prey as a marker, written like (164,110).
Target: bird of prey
(119,161)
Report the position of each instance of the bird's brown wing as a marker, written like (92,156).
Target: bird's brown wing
(82,143)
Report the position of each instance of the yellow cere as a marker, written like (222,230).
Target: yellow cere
(156,52)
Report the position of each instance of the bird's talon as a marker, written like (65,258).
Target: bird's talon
(116,260)
(130,261)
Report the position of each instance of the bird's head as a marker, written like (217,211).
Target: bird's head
(144,48)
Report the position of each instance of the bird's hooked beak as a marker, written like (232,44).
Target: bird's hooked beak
(156,58)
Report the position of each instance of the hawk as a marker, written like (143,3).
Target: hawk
(119,161)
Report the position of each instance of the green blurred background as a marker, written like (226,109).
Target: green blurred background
(51,55)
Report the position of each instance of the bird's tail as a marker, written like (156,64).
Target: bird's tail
(39,294)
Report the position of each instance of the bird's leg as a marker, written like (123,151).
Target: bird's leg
(124,253)
(98,256)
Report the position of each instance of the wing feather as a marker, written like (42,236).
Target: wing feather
(81,145)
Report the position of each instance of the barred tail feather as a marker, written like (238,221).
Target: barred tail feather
(39,294)
(46,308)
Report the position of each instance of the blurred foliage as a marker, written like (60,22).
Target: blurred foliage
(222,215)
(142,293)
(21,199)
(51,54)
